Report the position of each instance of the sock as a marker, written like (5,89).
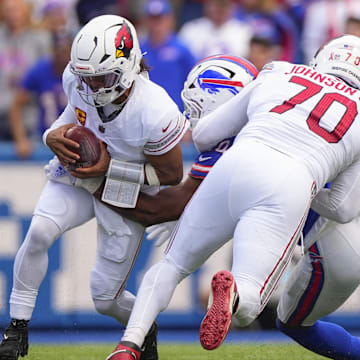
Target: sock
(134,335)
(326,339)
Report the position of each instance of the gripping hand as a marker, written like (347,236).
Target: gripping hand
(56,172)
(160,232)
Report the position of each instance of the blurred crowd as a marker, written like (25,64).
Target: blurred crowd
(36,36)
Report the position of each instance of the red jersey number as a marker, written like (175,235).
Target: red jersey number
(320,109)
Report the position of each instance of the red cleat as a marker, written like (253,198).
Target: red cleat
(125,351)
(222,304)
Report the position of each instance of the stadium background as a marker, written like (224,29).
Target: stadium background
(64,300)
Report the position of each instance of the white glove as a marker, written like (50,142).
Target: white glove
(56,172)
(160,232)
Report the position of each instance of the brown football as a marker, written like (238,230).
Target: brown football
(89,149)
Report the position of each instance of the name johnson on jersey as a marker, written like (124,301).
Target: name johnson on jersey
(324,79)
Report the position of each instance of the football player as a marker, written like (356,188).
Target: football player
(299,128)
(319,284)
(109,92)
(328,274)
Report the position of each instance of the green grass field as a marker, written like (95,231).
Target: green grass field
(177,352)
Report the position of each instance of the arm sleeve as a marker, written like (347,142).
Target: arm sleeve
(67,117)
(340,203)
(226,121)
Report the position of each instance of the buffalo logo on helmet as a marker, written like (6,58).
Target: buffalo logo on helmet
(213,81)
(123,41)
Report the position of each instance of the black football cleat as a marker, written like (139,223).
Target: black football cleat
(15,340)
(149,348)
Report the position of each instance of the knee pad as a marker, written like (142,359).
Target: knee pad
(41,235)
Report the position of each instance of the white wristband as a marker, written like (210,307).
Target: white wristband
(123,180)
(151,175)
(122,186)
(126,171)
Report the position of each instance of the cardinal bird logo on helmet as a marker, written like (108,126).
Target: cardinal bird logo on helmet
(123,41)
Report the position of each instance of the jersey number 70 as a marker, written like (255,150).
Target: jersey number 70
(320,109)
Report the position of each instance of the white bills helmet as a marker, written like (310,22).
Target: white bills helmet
(105,58)
(212,82)
(340,57)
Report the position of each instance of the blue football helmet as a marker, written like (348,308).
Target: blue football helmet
(213,81)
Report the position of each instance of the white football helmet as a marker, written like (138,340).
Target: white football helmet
(105,58)
(212,82)
(340,57)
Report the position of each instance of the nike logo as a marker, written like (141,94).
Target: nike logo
(165,128)
(5,337)
(204,158)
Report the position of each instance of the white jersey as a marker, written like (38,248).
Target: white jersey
(310,116)
(150,122)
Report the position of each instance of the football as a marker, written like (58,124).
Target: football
(89,149)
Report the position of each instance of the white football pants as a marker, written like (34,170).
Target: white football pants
(256,195)
(61,208)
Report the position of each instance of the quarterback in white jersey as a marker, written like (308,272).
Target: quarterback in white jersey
(109,92)
(298,128)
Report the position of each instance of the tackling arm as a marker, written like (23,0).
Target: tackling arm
(168,204)
(124,179)
(168,166)
(224,122)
